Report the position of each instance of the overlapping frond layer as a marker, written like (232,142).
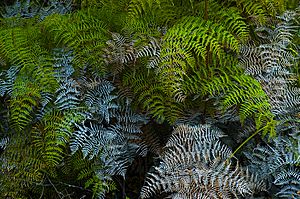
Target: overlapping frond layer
(30,9)
(230,91)
(22,48)
(233,21)
(193,164)
(151,95)
(22,168)
(109,132)
(259,10)
(192,33)
(34,73)
(274,61)
(271,64)
(84,33)
(278,163)
(80,78)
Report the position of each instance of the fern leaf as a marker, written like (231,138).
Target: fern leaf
(194,164)
(6,84)
(24,98)
(67,95)
(85,37)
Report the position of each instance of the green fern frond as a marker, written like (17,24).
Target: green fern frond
(232,90)
(233,21)
(253,9)
(44,74)
(83,33)
(138,7)
(259,10)
(24,98)
(99,187)
(197,35)
(45,139)
(22,166)
(152,96)
(65,127)
(274,7)
(22,47)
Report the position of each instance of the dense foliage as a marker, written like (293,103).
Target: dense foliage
(149,98)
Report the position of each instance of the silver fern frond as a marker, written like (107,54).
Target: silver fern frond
(194,164)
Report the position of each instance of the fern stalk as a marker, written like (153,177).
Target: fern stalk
(246,141)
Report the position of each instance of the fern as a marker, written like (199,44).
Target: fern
(18,8)
(290,181)
(140,7)
(6,84)
(118,52)
(202,34)
(35,72)
(23,166)
(65,130)
(91,139)
(230,91)
(271,68)
(110,133)
(113,145)
(83,33)
(4,142)
(152,96)
(99,99)
(121,51)
(24,98)
(63,63)
(45,140)
(233,21)
(28,9)
(277,163)
(53,6)
(253,8)
(67,95)
(194,164)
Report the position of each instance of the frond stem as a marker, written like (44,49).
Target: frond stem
(206,10)
(248,139)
